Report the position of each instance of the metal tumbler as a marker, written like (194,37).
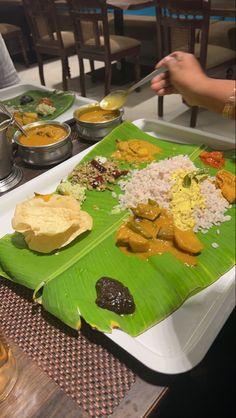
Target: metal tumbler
(6,161)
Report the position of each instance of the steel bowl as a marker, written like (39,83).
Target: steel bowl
(95,131)
(45,155)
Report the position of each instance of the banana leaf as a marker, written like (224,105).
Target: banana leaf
(61,101)
(64,281)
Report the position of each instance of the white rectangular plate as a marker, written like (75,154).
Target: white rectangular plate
(178,343)
(14,91)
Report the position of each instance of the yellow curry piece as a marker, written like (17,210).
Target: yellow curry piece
(23,118)
(226,181)
(135,151)
(151,230)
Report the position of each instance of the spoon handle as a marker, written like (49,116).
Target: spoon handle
(147,78)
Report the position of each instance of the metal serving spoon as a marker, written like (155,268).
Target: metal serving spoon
(117,98)
(14,121)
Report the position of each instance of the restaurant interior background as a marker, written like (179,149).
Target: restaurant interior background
(210,387)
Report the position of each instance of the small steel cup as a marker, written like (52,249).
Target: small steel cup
(6,161)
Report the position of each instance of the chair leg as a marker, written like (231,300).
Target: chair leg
(91,63)
(64,64)
(92,70)
(82,77)
(229,73)
(108,73)
(160,106)
(68,73)
(23,50)
(40,65)
(193,118)
(137,73)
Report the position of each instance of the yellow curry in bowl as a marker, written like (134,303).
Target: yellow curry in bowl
(98,115)
(94,114)
(42,135)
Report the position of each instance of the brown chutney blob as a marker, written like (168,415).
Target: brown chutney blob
(114,296)
(43,135)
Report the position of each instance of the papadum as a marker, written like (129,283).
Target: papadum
(49,222)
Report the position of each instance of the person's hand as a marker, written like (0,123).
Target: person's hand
(184,76)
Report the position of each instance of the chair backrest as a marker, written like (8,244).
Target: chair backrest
(189,16)
(90,16)
(42,19)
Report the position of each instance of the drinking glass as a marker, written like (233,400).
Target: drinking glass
(8,368)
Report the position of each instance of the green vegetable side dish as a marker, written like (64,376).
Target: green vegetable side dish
(62,101)
(65,282)
(75,190)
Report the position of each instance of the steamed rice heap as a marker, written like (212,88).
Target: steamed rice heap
(158,181)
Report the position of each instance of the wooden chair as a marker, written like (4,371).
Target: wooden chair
(14,33)
(191,17)
(47,37)
(101,46)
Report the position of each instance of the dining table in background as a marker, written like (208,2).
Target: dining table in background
(119,6)
(11,11)
(219,9)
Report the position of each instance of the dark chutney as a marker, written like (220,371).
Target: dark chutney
(26,99)
(114,296)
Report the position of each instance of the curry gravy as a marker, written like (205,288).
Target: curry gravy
(43,135)
(98,115)
(158,247)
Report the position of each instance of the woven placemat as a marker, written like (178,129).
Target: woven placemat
(83,368)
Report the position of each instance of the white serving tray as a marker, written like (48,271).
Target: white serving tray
(16,90)
(184,135)
(180,342)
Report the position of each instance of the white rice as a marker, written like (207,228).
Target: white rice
(216,206)
(154,182)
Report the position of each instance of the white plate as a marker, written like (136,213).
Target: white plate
(176,344)
(14,91)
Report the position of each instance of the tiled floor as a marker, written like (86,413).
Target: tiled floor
(140,105)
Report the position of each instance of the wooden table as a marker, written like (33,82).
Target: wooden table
(36,395)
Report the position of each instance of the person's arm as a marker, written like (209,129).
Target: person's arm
(8,74)
(186,77)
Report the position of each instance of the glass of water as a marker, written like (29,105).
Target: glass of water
(8,368)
